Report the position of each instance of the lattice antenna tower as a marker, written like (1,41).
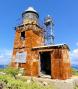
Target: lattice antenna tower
(49,32)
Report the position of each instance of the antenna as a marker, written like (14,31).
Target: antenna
(49,33)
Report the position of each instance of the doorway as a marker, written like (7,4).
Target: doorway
(45,63)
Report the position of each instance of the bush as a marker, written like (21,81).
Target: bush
(74,72)
(76,87)
(8,82)
(10,71)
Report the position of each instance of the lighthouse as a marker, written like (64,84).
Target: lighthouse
(35,51)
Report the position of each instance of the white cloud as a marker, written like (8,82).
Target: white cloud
(1,56)
(5,56)
(74,53)
(74,56)
(77,43)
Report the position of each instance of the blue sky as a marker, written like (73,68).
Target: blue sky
(64,13)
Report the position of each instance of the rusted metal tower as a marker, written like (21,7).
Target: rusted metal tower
(49,33)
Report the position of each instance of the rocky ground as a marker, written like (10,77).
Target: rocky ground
(58,84)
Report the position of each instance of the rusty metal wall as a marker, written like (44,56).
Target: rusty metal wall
(60,61)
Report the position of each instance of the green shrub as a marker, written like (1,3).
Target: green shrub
(74,72)
(76,87)
(11,83)
(10,71)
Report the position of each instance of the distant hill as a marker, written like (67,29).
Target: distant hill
(75,66)
(3,66)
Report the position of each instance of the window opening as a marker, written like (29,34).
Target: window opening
(23,35)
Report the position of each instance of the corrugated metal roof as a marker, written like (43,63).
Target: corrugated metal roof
(51,46)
